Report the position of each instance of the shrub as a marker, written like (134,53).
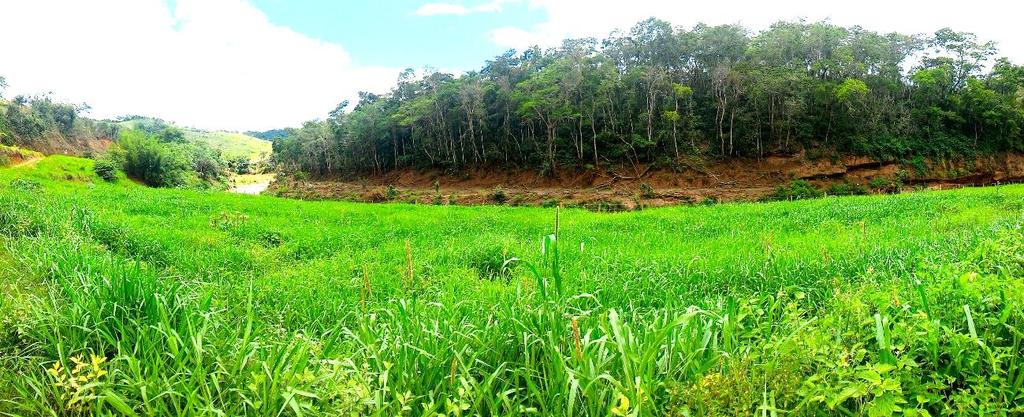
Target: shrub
(391,193)
(886,185)
(152,163)
(646,191)
(207,163)
(499,196)
(106,169)
(795,190)
(240,165)
(847,188)
(919,165)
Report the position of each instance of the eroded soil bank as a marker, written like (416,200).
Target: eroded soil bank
(627,188)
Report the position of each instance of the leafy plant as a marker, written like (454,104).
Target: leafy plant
(846,188)
(795,190)
(106,169)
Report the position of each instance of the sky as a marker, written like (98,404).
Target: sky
(262,64)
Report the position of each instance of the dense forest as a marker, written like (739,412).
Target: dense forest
(659,94)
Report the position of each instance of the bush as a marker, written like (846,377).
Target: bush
(646,191)
(152,163)
(391,193)
(795,190)
(240,165)
(106,169)
(886,185)
(499,196)
(847,188)
(207,163)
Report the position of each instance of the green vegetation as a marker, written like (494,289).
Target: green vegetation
(658,94)
(12,154)
(232,146)
(795,190)
(847,188)
(160,160)
(41,124)
(126,300)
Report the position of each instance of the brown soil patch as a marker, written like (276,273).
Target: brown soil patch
(627,188)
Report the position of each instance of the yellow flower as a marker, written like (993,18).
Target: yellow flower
(55,370)
(622,408)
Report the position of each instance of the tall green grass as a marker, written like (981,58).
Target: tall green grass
(133,301)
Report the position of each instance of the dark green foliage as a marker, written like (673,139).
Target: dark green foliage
(240,165)
(270,135)
(207,162)
(795,190)
(658,94)
(106,168)
(499,196)
(847,188)
(168,164)
(151,162)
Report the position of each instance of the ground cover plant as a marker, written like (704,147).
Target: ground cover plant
(126,300)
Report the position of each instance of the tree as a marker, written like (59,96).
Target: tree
(633,96)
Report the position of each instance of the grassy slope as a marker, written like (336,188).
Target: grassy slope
(231,144)
(264,288)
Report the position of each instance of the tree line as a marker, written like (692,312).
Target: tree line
(659,94)
(40,123)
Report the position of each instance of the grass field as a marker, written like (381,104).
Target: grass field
(231,144)
(124,300)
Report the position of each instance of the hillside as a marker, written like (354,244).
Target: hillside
(690,181)
(140,301)
(231,144)
(663,95)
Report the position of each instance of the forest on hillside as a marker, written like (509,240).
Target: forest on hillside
(43,124)
(661,94)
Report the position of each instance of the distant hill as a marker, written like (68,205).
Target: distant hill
(270,135)
(231,144)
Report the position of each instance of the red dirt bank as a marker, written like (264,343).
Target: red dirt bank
(734,180)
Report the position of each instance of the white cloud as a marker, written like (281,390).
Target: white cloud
(442,9)
(990,19)
(214,64)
